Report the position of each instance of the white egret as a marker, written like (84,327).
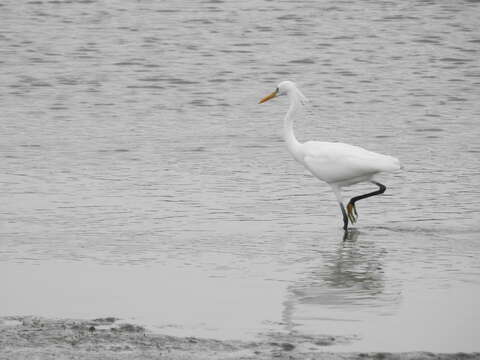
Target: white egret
(335,163)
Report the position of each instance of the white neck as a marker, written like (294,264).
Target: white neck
(292,143)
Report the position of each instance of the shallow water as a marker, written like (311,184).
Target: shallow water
(140,178)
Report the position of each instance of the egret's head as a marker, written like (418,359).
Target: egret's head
(284,88)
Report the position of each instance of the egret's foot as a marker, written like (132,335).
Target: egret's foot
(352,212)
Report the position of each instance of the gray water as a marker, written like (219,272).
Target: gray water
(141,179)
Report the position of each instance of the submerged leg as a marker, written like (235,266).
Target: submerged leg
(336,190)
(352,210)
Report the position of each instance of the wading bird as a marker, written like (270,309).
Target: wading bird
(335,163)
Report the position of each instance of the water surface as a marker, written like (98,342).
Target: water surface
(140,178)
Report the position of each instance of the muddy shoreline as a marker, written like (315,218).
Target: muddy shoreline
(106,338)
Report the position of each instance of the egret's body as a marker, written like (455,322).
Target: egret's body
(337,164)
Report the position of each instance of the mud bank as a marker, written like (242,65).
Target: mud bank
(106,338)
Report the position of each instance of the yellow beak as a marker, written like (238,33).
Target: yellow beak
(268,97)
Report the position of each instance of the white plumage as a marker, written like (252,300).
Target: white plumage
(337,164)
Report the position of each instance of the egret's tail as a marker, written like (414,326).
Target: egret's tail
(391,163)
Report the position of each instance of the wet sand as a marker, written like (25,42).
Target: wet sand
(107,338)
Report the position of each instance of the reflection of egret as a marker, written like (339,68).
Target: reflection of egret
(348,275)
(357,267)
(340,285)
(337,164)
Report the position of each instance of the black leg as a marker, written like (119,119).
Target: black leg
(352,210)
(345,217)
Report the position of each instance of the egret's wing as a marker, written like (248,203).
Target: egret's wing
(333,162)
